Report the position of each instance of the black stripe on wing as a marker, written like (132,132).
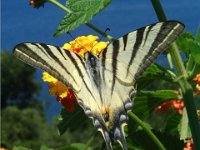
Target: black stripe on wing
(31,53)
(73,60)
(139,38)
(116,47)
(167,34)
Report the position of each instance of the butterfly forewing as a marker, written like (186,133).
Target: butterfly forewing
(64,65)
(131,54)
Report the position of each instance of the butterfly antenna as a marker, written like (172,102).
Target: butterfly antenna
(107,29)
(74,39)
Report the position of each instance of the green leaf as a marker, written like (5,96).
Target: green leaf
(167,121)
(184,129)
(187,43)
(146,101)
(195,51)
(71,120)
(44,147)
(20,148)
(153,73)
(82,12)
(182,42)
(140,141)
(198,35)
(76,146)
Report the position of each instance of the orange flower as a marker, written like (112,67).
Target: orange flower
(173,104)
(189,145)
(85,44)
(80,45)
(37,3)
(64,95)
(197,81)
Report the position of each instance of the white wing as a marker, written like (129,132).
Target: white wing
(127,58)
(123,62)
(62,64)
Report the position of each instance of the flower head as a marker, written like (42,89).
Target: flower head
(85,44)
(37,3)
(189,145)
(64,95)
(173,104)
(80,45)
(197,81)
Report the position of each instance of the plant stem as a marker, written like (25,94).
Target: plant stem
(147,130)
(159,10)
(99,31)
(89,142)
(185,86)
(177,60)
(55,2)
(169,58)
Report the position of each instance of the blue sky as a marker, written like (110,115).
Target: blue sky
(22,23)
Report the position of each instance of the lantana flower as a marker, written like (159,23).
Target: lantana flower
(197,81)
(177,105)
(37,3)
(80,45)
(189,145)
(84,44)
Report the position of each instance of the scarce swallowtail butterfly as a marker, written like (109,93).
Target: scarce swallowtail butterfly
(105,85)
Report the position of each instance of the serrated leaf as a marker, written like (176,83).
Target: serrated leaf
(182,42)
(195,51)
(167,121)
(71,120)
(146,101)
(82,12)
(187,43)
(154,72)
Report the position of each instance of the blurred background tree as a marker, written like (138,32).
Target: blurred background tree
(18,85)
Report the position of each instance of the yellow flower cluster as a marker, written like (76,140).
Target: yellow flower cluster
(85,44)
(80,46)
(55,87)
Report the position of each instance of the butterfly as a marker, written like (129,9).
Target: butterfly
(105,85)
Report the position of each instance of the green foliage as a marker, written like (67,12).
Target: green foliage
(184,127)
(153,73)
(76,146)
(146,101)
(17,82)
(44,147)
(189,46)
(139,140)
(20,148)
(22,127)
(82,12)
(67,119)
